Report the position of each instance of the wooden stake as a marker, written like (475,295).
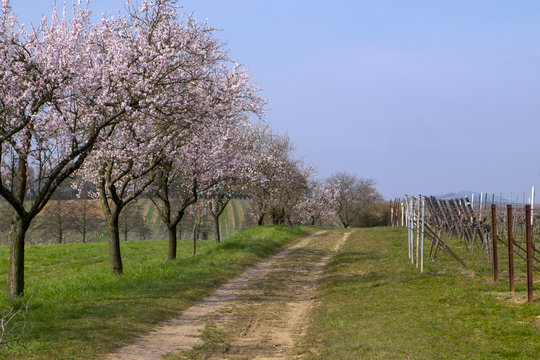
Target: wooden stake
(423,229)
(494,242)
(528,228)
(418,231)
(510,247)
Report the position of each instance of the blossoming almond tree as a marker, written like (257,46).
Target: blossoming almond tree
(315,207)
(181,179)
(291,189)
(236,171)
(168,64)
(350,195)
(182,176)
(57,99)
(214,154)
(121,170)
(275,175)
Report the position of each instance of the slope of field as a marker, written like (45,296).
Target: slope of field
(376,305)
(61,221)
(231,221)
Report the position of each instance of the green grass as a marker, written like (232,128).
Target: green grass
(376,305)
(236,224)
(79,311)
(223,224)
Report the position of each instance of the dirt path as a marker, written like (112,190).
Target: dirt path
(261,314)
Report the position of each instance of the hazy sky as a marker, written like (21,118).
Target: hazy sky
(423,96)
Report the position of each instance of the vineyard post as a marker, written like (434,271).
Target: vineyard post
(395,221)
(412,230)
(480,206)
(494,242)
(423,220)
(510,247)
(408,224)
(532,206)
(391,219)
(402,214)
(418,230)
(528,230)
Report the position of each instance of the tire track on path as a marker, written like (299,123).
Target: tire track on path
(182,333)
(277,321)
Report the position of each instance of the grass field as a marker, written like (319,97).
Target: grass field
(79,311)
(373,303)
(376,305)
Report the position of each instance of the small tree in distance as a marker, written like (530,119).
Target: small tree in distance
(350,195)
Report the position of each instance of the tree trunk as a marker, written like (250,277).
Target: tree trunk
(278,216)
(59,224)
(172,241)
(16,257)
(217,235)
(84,222)
(217,207)
(343,221)
(172,227)
(260,220)
(195,235)
(114,244)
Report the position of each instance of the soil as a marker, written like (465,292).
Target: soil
(262,314)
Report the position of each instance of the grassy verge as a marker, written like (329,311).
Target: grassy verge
(376,305)
(79,311)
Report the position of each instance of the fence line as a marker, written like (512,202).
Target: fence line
(477,226)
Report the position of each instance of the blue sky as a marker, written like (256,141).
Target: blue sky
(423,96)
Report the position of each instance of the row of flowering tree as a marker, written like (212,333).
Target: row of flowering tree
(143,104)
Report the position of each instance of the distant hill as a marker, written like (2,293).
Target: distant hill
(469,193)
(460,194)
